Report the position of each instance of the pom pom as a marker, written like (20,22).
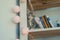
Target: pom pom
(22,1)
(25,31)
(16,19)
(16,9)
(17,39)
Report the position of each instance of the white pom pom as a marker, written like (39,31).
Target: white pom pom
(17,39)
(16,19)
(25,31)
(16,9)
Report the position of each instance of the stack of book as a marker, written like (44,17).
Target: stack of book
(41,22)
(46,22)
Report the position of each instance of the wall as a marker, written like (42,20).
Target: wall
(7,27)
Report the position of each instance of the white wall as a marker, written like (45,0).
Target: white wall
(7,27)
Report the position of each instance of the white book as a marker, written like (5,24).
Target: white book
(50,22)
(37,19)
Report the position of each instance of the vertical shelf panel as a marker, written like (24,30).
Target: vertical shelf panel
(23,15)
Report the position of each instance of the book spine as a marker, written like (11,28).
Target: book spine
(42,22)
(50,22)
(44,19)
(47,20)
(35,25)
(37,19)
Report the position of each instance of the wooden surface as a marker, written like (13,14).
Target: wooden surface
(44,34)
(42,4)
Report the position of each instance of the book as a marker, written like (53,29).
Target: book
(45,21)
(35,25)
(42,22)
(37,19)
(50,22)
(31,21)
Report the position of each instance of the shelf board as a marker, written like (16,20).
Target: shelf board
(48,29)
(37,33)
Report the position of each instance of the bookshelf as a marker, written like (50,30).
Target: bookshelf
(49,29)
(54,14)
(42,4)
(43,34)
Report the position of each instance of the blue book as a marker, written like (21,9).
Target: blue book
(42,22)
(50,22)
(47,21)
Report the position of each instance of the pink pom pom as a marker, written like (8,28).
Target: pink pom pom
(16,9)
(16,19)
(25,31)
(22,1)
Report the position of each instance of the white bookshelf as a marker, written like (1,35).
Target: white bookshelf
(46,29)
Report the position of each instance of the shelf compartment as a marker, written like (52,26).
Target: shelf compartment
(45,33)
(46,29)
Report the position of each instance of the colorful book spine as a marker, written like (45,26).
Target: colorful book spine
(45,21)
(37,19)
(42,22)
